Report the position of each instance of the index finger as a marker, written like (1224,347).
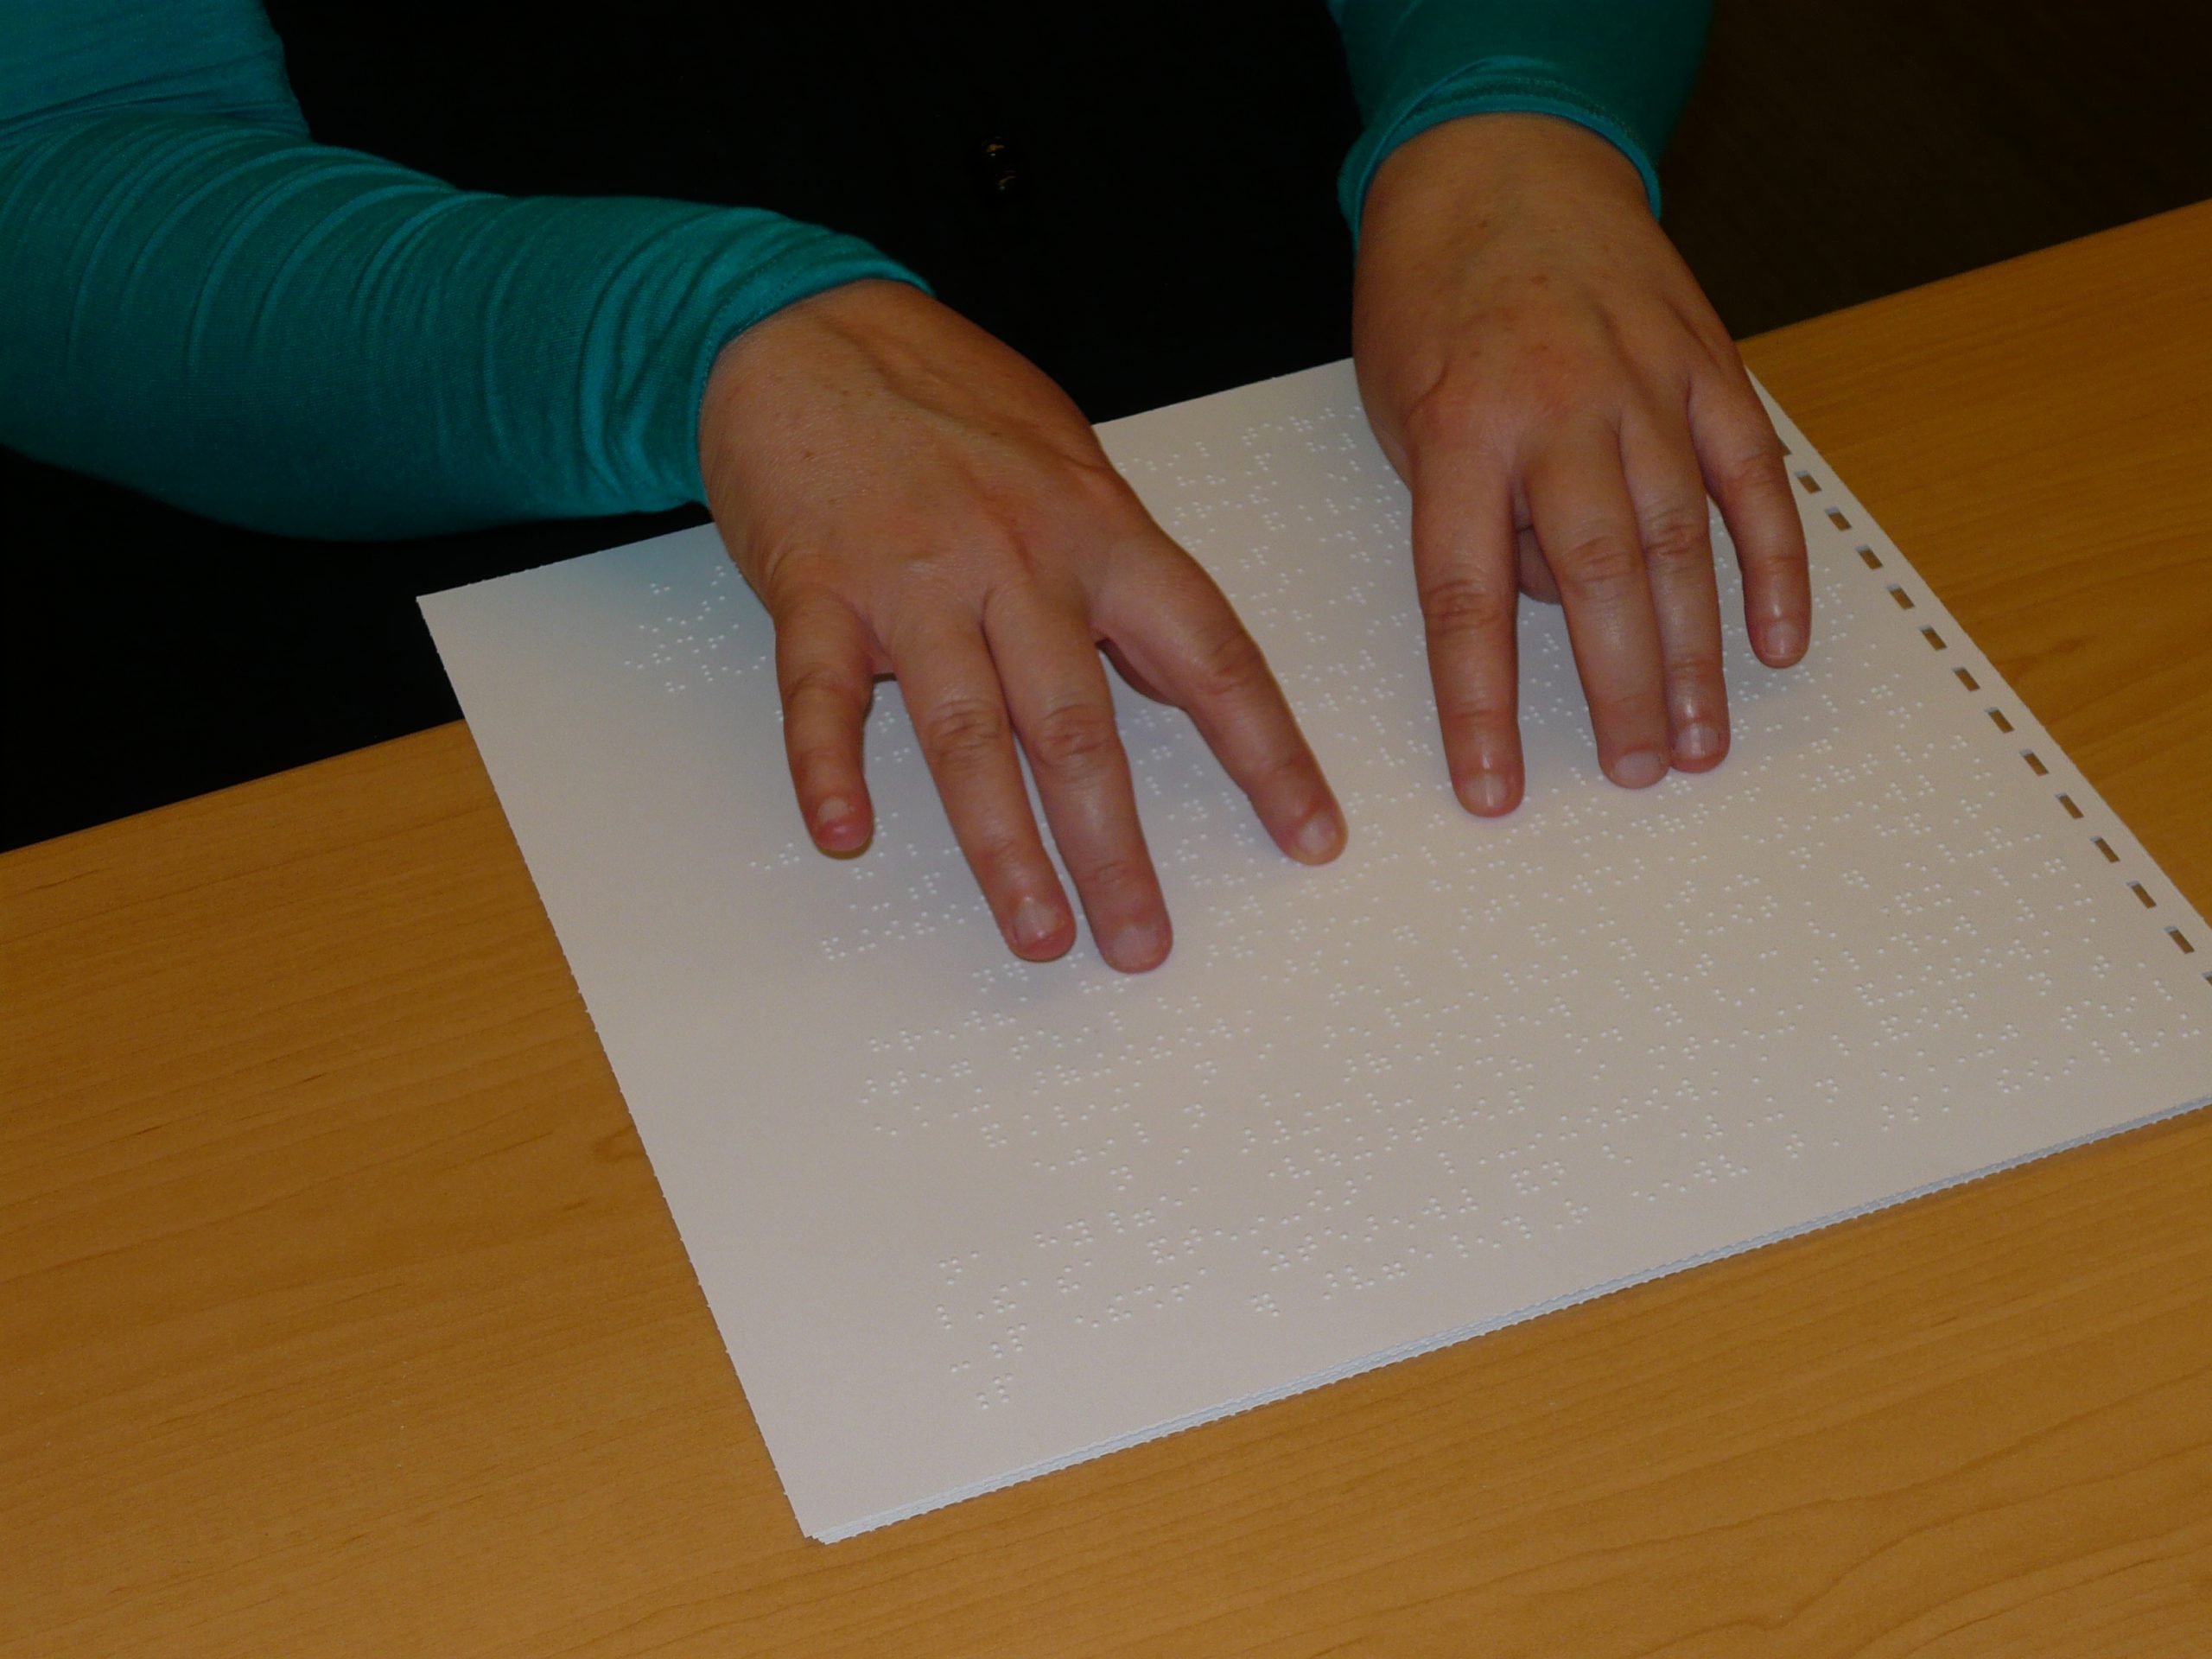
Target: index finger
(1163,614)
(1466,568)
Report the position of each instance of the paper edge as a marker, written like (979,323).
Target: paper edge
(1805,455)
(1467,1332)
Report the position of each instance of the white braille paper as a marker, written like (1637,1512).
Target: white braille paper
(962,1220)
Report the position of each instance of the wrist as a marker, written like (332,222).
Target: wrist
(773,347)
(1481,165)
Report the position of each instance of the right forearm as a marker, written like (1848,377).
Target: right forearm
(302,339)
(1620,67)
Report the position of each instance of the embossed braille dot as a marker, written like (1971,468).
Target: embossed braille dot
(1432,1069)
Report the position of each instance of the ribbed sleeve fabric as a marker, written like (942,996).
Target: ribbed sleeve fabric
(67,60)
(206,305)
(1623,69)
(201,302)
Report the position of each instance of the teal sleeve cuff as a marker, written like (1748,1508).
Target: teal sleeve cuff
(1623,69)
(314,341)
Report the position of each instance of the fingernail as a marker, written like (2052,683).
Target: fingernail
(1034,923)
(1784,640)
(1486,793)
(1700,740)
(830,815)
(1319,837)
(1138,946)
(1639,768)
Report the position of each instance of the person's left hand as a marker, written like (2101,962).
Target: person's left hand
(1543,371)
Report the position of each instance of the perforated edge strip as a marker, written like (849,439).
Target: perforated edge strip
(2100,840)
(1840,521)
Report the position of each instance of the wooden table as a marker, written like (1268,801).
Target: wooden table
(339,1313)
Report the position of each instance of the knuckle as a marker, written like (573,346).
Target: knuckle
(1718,345)
(1710,337)
(1291,770)
(1452,393)
(1117,876)
(1694,665)
(1073,737)
(1676,536)
(1068,500)
(1600,565)
(1457,606)
(917,582)
(1500,407)
(1000,853)
(804,608)
(815,778)
(815,683)
(1474,705)
(1562,386)
(1097,488)
(1227,663)
(1442,416)
(1756,470)
(1009,528)
(818,771)
(984,546)
(765,559)
(1462,411)
(963,733)
(1290,777)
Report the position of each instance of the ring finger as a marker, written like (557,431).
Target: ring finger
(959,714)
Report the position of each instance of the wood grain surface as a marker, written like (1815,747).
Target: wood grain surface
(339,1313)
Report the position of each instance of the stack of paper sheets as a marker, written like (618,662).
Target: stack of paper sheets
(962,1220)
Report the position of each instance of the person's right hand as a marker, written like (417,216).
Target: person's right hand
(909,497)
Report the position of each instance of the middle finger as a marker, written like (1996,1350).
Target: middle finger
(1668,491)
(1056,686)
(1578,502)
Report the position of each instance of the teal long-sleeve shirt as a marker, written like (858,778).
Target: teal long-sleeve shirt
(200,301)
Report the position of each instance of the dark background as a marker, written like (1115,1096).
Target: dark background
(1158,222)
